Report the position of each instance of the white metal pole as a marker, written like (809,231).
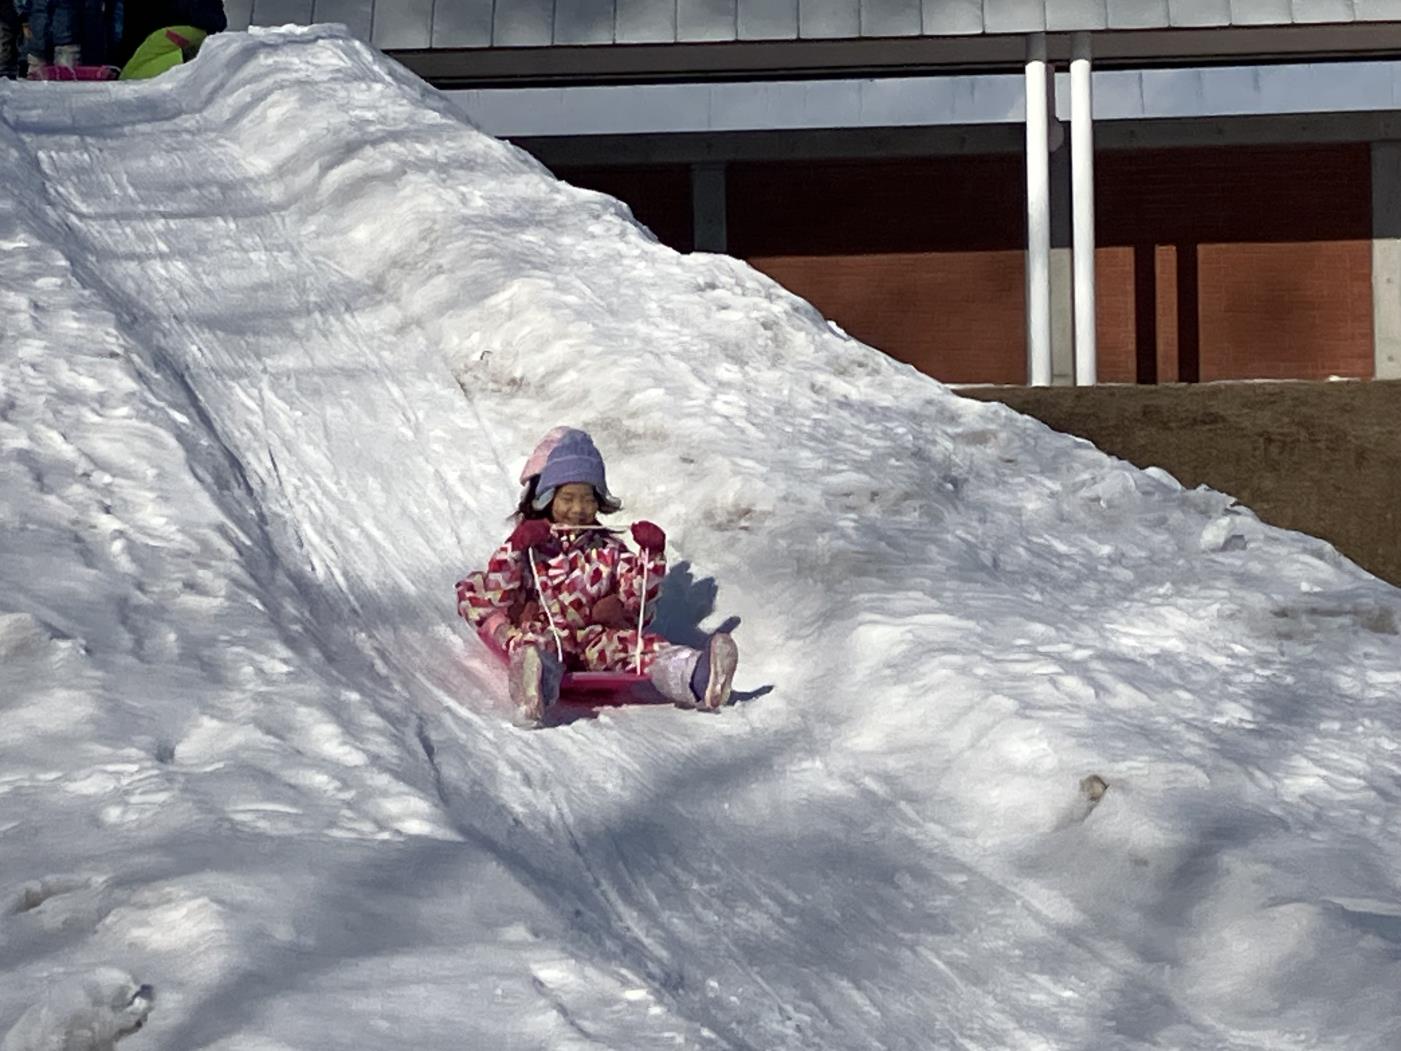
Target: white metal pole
(1038,214)
(1082,167)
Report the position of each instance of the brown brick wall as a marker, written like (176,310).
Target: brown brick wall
(930,309)
(1253,262)
(1214,263)
(921,258)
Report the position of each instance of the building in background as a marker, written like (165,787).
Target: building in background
(880,159)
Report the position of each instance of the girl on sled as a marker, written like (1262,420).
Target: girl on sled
(564,593)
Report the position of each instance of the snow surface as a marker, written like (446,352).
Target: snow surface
(279,329)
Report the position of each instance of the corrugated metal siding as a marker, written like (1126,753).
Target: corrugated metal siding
(405,24)
(952,17)
(410,27)
(356,15)
(281,12)
(584,22)
(645,22)
(768,19)
(699,21)
(1065,15)
(881,18)
(523,23)
(1200,14)
(466,23)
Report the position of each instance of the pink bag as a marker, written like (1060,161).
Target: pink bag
(52,72)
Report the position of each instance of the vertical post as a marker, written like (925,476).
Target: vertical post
(1062,264)
(1386,260)
(1082,162)
(708,208)
(1038,213)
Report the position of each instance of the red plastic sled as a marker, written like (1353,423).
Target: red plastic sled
(595,689)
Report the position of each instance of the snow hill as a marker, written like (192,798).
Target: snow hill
(279,329)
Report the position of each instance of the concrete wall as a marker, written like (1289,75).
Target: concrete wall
(1322,458)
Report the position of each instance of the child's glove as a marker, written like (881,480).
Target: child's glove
(531,533)
(608,612)
(648,536)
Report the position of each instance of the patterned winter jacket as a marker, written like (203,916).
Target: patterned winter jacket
(575,572)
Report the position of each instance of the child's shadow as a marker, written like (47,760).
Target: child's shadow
(682,605)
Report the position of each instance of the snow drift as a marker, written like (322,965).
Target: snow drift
(279,328)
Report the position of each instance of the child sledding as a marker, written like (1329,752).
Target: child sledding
(564,595)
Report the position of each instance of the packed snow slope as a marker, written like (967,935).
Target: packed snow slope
(279,329)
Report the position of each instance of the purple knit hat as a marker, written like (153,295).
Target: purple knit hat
(574,458)
(542,451)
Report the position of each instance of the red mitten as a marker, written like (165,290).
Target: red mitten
(608,611)
(531,533)
(648,536)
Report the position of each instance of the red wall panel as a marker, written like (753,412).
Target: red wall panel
(1214,263)
(921,258)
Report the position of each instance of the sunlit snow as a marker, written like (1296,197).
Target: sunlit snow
(278,330)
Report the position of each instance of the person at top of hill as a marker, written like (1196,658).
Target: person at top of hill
(64,33)
(11,40)
(132,21)
(565,593)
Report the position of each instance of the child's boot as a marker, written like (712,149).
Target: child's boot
(534,682)
(696,678)
(714,670)
(67,56)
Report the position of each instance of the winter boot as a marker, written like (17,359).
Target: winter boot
(696,678)
(715,667)
(671,672)
(534,682)
(67,56)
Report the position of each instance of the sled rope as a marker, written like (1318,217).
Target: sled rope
(545,605)
(641,612)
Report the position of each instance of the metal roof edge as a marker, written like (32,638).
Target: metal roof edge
(896,56)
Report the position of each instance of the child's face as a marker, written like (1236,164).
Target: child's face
(574,504)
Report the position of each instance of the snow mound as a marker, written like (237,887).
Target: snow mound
(89,1013)
(281,328)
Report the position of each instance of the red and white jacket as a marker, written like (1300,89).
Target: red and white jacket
(575,571)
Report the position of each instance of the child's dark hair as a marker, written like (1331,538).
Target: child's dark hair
(525,510)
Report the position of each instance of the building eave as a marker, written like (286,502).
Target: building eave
(899,56)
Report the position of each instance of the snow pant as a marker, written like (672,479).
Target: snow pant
(598,648)
(11,40)
(67,23)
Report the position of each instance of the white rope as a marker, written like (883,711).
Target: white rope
(641,611)
(535,575)
(584,528)
(641,603)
